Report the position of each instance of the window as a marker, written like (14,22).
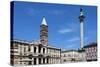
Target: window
(69,55)
(29,48)
(43,50)
(64,60)
(43,60)
(30,56)
(64,55)
(15,45)
(47,60)
(15,57)
(24,49)
(39,60)
(39,49)
(34,61)
(30,63)
(34,49)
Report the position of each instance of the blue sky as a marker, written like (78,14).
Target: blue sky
(62,20)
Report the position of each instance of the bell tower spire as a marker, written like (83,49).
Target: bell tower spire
(44,32)
(44,21)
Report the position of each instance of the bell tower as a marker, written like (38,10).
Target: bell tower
(44,32)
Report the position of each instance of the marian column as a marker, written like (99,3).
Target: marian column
(81,18)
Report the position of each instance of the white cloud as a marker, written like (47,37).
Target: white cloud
(74,39)
(63,31)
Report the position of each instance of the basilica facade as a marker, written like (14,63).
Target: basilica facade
(36,52)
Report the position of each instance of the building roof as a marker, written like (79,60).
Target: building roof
(20,41)
(52,47)
(73,51)
(44,21)
(90,45)
(33,43)
(69,51)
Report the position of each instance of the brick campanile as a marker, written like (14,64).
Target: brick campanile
(44,32)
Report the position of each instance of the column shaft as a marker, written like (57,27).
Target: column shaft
(81,35)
